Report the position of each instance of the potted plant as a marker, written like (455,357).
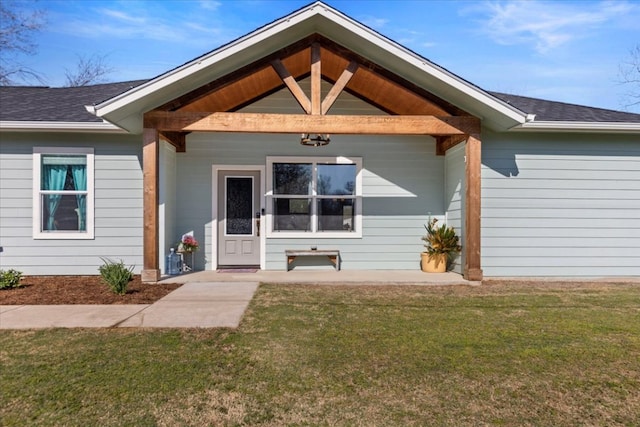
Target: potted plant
(442,244)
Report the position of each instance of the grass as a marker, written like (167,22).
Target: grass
(362,356)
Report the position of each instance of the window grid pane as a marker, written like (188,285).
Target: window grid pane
(292,178)
(291,214)
(336,214)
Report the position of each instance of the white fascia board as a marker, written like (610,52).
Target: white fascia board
(36,126)
(605,127)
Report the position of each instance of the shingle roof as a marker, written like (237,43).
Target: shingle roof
(66,104)
(63,104)
(563,112)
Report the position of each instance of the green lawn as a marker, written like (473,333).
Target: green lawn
(359,356)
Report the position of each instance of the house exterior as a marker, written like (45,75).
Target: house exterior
(213,149)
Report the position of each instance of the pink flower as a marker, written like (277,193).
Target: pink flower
(189,243)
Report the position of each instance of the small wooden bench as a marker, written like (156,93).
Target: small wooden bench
(332,254)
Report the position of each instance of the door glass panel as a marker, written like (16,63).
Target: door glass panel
(239,218)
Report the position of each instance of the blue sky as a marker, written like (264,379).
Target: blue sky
(566,51)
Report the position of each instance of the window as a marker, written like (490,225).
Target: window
(318,197)
(63,193)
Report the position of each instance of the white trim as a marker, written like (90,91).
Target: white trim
(35,126)
(214,210)
(357,234)
(611,127)
(37,200)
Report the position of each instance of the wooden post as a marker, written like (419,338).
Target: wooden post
(473,166)
(150,161)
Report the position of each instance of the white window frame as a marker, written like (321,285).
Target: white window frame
(89,233)
(314,233)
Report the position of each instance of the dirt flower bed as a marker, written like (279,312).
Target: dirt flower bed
(43,290)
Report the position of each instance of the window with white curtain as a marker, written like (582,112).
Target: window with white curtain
(314,196)
(63,193)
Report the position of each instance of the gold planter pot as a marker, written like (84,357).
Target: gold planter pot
(436,263)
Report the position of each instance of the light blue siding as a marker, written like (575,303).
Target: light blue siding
(560,205)
(118,206)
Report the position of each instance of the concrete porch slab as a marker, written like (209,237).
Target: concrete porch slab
(326,277)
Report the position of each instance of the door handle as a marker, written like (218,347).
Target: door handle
(257,224)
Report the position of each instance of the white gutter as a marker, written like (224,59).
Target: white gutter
(36,126)
(609,127)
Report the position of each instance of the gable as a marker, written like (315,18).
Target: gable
(240,72)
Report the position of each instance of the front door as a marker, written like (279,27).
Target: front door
(238,218)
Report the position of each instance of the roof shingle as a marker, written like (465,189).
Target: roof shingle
(63,104)
(66,104)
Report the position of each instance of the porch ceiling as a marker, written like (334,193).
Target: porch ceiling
(369,82)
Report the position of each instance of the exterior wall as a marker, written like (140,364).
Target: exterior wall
(454,196)
(560,205)
(118,205)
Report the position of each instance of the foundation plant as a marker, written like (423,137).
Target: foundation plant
(442,245)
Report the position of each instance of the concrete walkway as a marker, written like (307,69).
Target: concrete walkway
(207,299)
(193,305)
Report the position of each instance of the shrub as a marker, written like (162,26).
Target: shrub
(116,275)
(10,279)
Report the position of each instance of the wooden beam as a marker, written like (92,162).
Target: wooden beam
(300,123)
(473,185)
(292,85)
(177,139)
(316,79)
(469,125)
(337,88)
(443,143)
(150,161)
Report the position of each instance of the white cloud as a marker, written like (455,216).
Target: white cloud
(546,25)
(373,22)
(210,4)
(121,16)
(142,23)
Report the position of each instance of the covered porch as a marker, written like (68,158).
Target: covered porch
(217,106)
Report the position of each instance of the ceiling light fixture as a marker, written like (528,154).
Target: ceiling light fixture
(316,141)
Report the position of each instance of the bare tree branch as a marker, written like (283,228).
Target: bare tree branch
(89,70)
(17,28)
(629,75)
